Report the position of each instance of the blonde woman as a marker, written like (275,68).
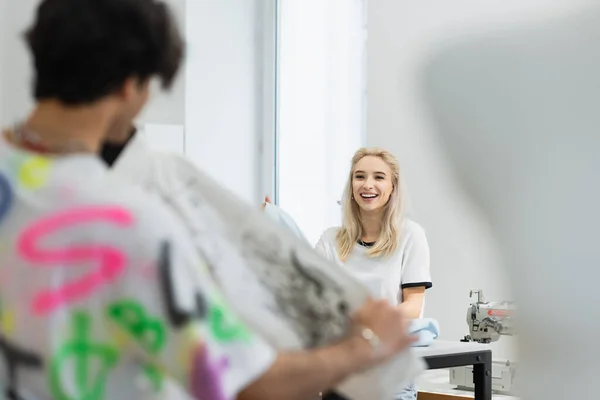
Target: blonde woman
(376,243)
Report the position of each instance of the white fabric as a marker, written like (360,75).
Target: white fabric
(283,218)
(385,276)
(296,299)
(83,261)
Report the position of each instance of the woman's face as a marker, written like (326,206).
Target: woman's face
(372,183)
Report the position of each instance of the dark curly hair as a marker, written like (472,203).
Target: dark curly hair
(84,50)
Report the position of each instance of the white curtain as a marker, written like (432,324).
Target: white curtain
(322,100)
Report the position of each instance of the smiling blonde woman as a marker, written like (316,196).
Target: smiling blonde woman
(376,243)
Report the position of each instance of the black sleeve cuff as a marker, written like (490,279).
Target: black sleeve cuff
(426,285)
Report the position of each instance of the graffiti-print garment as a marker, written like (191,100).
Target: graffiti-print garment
(102,295)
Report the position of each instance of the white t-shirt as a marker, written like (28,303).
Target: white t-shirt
(386,276)
(102,295)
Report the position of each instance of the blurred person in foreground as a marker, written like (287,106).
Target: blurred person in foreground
(517,113)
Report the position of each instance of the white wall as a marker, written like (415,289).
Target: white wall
(16,72)
(224,100)
(2,59)
(15,75)
(218,95)
(169,107)
(463,252)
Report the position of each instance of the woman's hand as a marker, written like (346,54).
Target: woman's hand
(267,200)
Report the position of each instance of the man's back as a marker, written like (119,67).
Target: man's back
(100,297)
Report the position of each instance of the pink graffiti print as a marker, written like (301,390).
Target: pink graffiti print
(110,261)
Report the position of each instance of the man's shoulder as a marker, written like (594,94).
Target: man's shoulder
(156,171)
(175,168)
(150,216)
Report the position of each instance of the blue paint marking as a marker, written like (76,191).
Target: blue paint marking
(6,197)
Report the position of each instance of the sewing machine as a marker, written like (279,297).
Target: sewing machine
(488,321)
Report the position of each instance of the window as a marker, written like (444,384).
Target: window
(229,92)
(321,106)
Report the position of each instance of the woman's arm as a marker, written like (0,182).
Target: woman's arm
(412,301)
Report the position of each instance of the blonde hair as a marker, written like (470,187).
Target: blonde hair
(352,230)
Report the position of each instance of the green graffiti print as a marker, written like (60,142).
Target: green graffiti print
(149,332)
(91,364)
(225,326)
(131,316)
(154,376)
